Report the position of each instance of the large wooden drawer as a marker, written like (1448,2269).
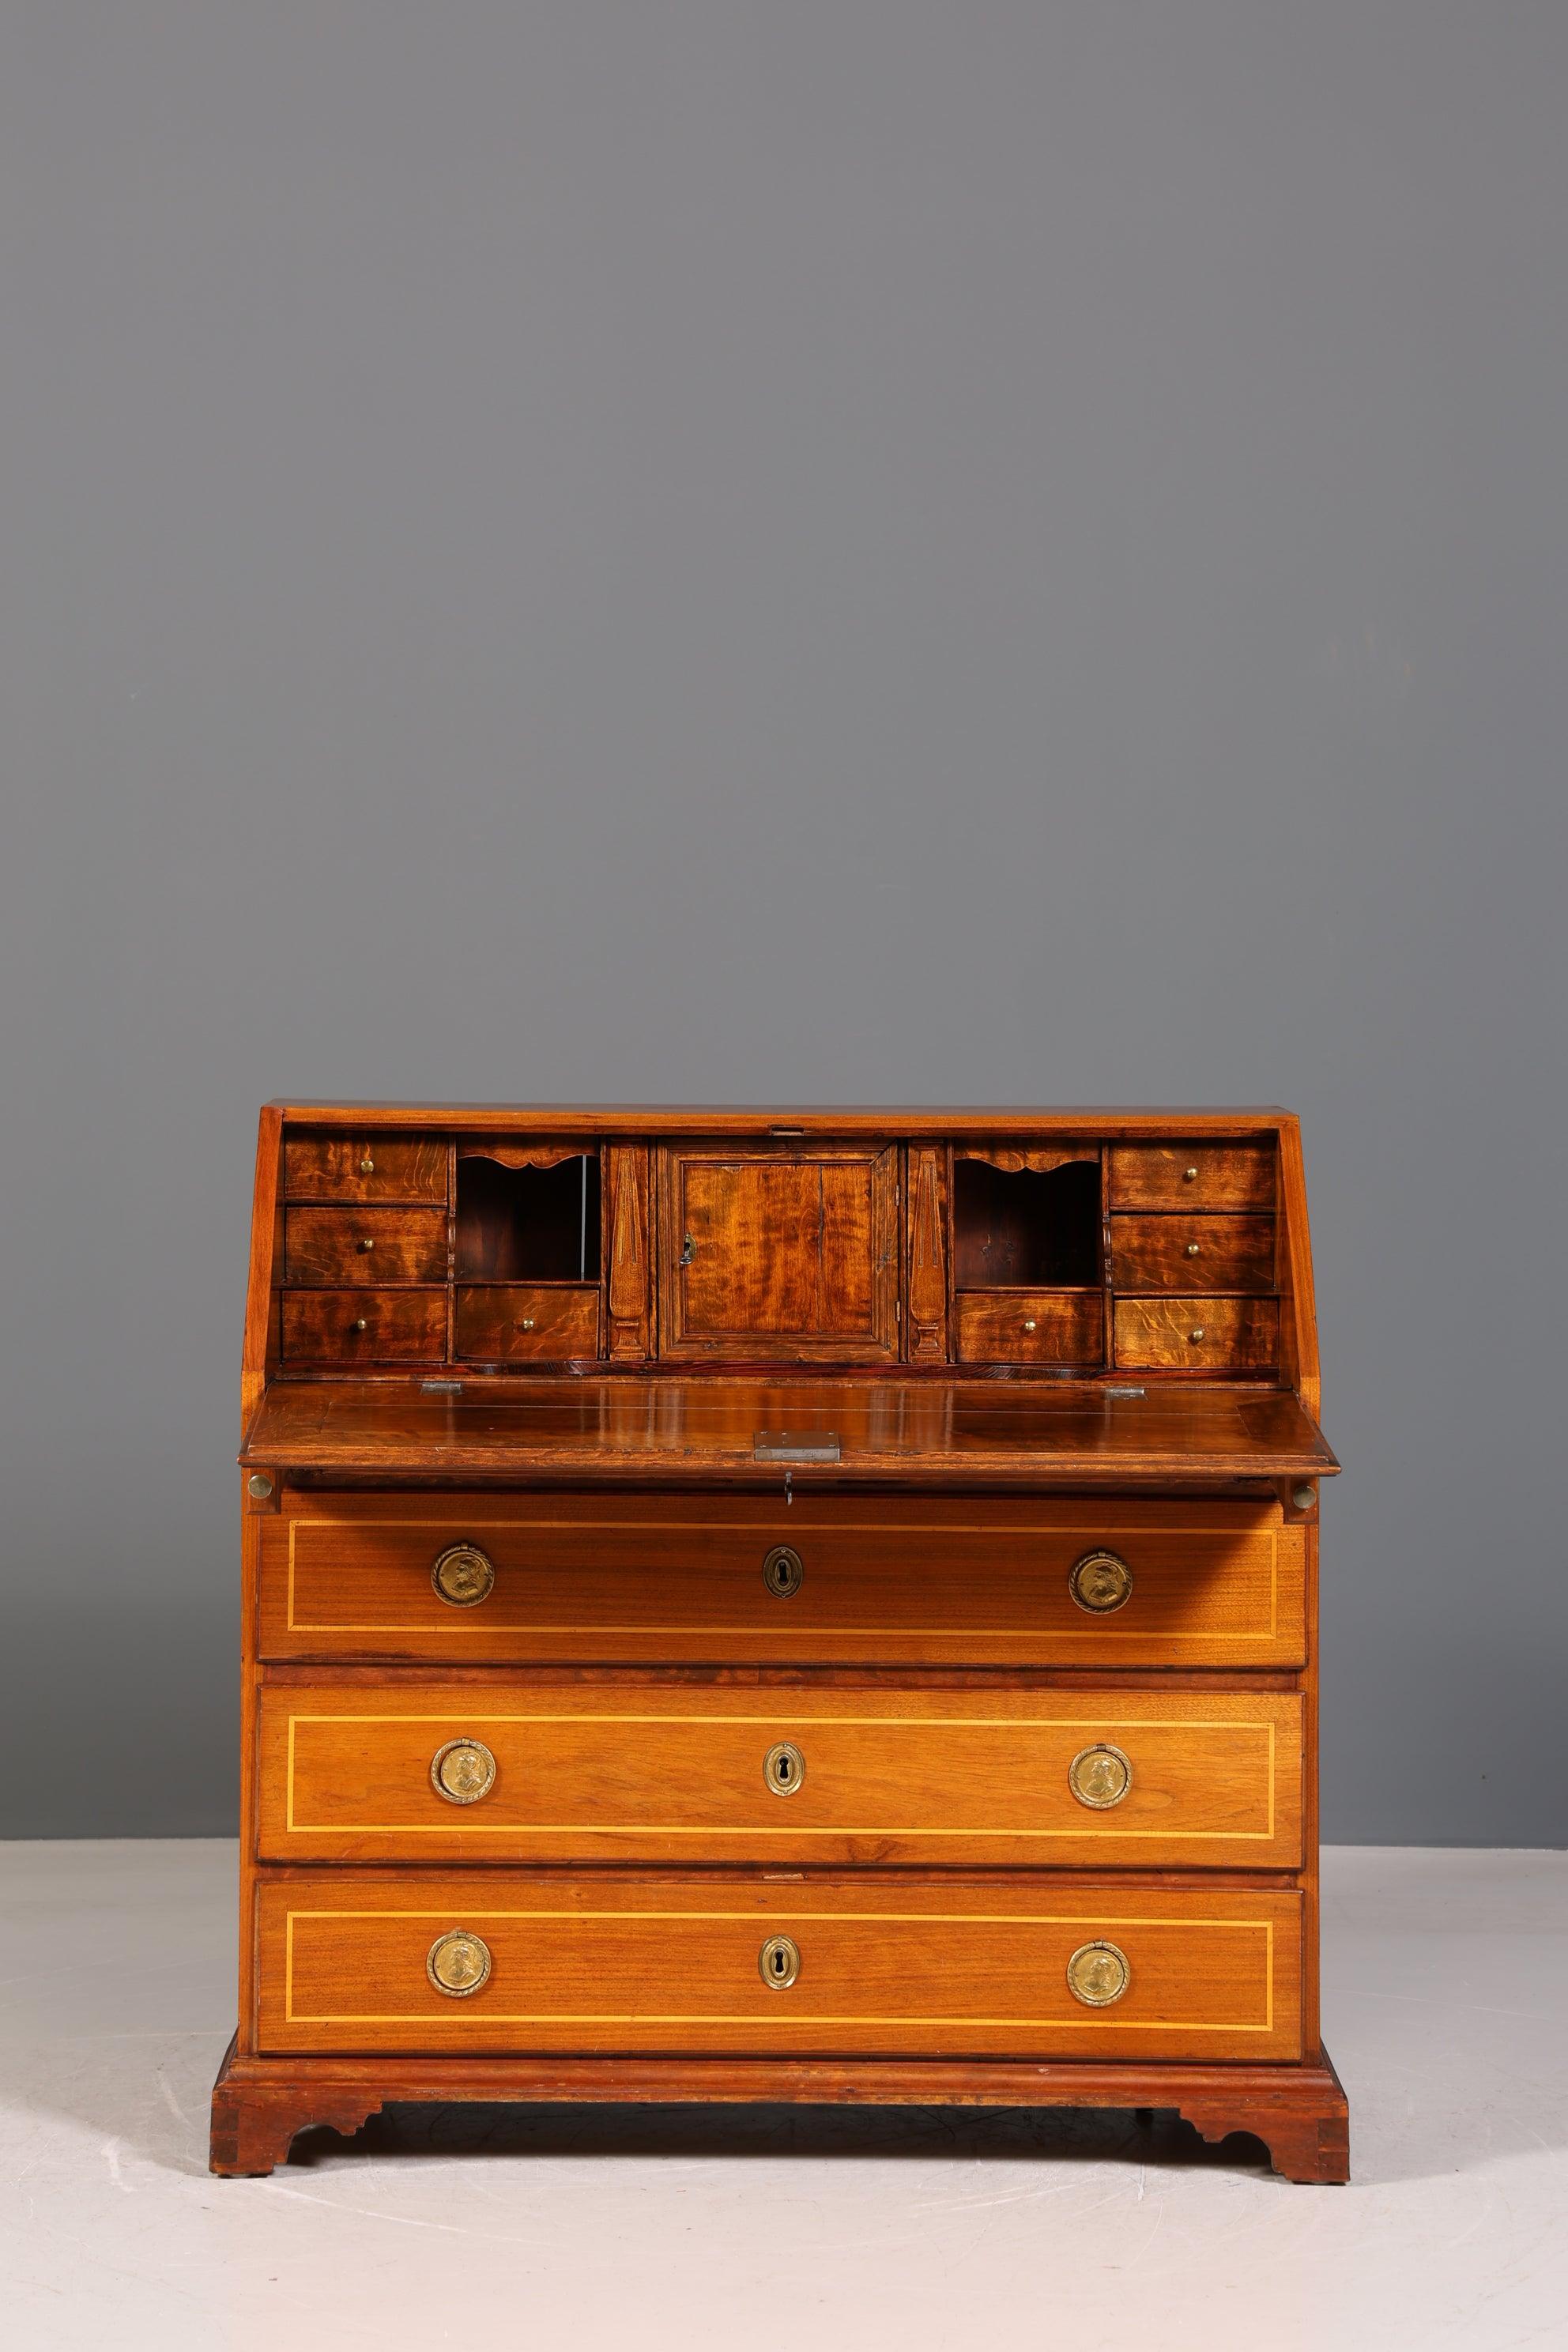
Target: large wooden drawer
(612,1771)
(738,1581)
(882,1966)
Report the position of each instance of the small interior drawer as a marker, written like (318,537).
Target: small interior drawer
(1031,1326)
(348,1245)
(1197,1335)
(364,1326)
(1177,1253)
(1192,1175)
(498,1322)
(365,1168)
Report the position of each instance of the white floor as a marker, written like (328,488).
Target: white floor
(1446,2009)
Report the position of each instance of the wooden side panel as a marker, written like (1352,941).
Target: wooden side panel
(784,1257)
(263,1321)
(628,1253)
(645,1579)
(651,1774)
(944,1969)
(927,1272)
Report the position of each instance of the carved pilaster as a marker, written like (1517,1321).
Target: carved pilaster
(927,1254)
(630,1259)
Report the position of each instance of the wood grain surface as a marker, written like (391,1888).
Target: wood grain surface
(980,1581)
(888,1965)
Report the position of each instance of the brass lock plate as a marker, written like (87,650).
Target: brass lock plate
(796,1445)
(783,1769)
(783,1571)
(778,1962)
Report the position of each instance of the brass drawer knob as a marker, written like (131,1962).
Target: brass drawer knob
(1098,1974)
(1197,1335)
(527,1323)
(1100,1581)
(463,1575)
(783,1571)
(459,1963)
(1029,1322)
(783,1769)
(1192,1249)
(1189,1175)
(1100,1775)
(367,1166)
(365,1243)
(359,1323)
(778,1962)
(463,1771)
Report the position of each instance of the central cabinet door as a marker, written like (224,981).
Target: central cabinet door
(779,1254)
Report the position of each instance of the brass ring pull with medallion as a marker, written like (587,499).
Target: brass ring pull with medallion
(1098,1974)
(463,1771)
(462,1575)
(1100,1775)
(459,1963)
(1100,1583)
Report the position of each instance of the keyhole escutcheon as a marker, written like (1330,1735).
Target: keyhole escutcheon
(783,1769)
(778,1962)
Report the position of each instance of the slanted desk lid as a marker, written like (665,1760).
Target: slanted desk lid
(972,1432)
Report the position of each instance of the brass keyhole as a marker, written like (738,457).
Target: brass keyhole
(783,1769)
(782,1573)
(778,1962)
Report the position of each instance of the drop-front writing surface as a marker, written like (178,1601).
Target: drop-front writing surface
(866,1527)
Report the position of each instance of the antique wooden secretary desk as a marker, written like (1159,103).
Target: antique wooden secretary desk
(812,1605)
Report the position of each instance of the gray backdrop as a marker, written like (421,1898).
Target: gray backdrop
(851,549)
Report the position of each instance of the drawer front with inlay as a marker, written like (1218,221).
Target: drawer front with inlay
(356,1245)
(1197,1335)
(1192,1175)
(365,1168)
(524,1772)
(476,1579)
(1174,1253)
(364,1326)
(939,1968)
